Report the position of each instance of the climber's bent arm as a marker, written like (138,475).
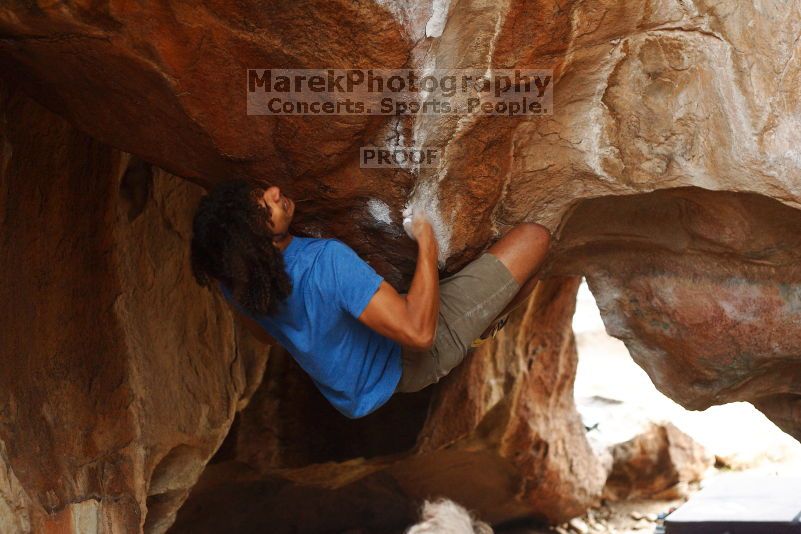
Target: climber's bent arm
(410,319)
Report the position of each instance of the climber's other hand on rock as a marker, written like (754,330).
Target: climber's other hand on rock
(418,226)
(422,231)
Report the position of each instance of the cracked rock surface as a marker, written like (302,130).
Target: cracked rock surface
(669,174)
(121,376)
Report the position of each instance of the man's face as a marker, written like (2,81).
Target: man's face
(281,208)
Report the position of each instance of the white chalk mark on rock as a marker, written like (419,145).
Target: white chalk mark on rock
(439,16)
(425,200)
(379,211)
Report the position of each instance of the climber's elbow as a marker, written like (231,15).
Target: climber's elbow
(421,339)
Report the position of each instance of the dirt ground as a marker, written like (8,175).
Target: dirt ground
(629,517)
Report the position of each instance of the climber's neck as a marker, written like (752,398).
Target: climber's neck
(282,241)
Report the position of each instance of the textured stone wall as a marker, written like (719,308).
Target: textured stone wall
(668,173)
(121,376)
(704,288)
(127,376)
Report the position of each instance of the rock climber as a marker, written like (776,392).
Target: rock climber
(358,338)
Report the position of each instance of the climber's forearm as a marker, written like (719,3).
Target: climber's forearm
(422,300)
(410,319)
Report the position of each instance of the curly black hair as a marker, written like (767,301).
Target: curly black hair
(232,243)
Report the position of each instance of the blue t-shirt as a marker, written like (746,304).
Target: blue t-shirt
(354,367)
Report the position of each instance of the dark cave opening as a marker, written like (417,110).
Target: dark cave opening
(289,423)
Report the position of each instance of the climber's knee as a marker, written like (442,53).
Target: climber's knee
(534,233)
(523,249)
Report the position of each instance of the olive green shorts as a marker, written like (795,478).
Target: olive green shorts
(469,301)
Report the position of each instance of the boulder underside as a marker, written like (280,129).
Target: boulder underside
(668,174)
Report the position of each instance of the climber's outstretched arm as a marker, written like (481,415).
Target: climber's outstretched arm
(410,319)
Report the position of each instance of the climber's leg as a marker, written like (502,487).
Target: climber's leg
(522,250)
(473,298)
(521,296)
(500,320)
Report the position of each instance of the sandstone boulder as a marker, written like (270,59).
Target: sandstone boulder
(703,290)
(649,97)
(121,376)
(128,377)
(659,463)
(669,174)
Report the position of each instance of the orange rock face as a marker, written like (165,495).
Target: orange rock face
(704,289)
(121,376)
(658,463)
(669,174)
(126,377)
